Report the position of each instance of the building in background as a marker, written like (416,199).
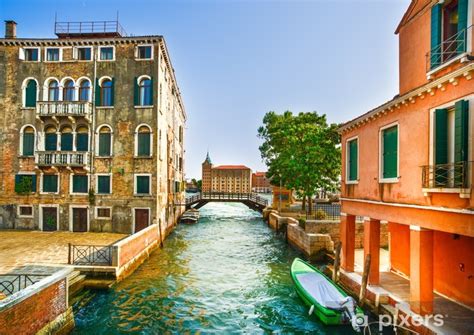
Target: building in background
(408,162)
(260,183)
(226,178)
(91,131)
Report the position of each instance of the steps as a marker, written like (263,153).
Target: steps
(75,282)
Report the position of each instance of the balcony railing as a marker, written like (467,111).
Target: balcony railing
(454,175)
(448,49)
(63,108)
(112,28)
(61,158)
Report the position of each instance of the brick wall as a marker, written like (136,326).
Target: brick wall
(133,245)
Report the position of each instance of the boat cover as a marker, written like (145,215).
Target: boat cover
(322,290)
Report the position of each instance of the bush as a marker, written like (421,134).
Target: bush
(302,223)
(320,214)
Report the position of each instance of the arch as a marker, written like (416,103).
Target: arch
(28,140)
(69,90)
(143,125)
(144,76)
(66,138)
(106,92)
(143,140)
(30,92)
(50,138)
(52,91)
(84,85)
(145,91)
(104,144)
(82,138)
(101,79)
(65,79)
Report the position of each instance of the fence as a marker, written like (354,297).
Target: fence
(12,283)
(90,255)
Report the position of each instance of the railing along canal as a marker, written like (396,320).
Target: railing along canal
(12,283)
(90,254)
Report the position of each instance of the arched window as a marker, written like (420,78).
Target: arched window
(82,139)
(105,142)
(84,90)
(143,141)
(106,93)
(68,90)
(53,91)
(28,136)
(66,139)
(30,93)
(145,88)
(50,139)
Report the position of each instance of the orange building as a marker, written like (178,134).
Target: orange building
(408,162)
(226,178)
(260,182)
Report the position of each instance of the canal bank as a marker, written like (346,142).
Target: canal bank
(226,274)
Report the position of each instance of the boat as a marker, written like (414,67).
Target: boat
(326,300)
(190,216)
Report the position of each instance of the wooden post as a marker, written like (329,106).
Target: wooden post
(69,254)
(337,262)
(365,278)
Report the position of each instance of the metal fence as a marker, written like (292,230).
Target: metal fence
(452,175)
(12,283)
(90,255)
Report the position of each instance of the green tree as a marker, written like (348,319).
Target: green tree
(302,151)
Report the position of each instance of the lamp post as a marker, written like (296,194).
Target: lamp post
(279,196)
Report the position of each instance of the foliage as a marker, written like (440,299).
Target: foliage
(302,151)
(320,214)
(50,222)
(25,186)
(302,223)
(199,184)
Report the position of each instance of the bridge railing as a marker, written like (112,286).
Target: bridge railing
(227,196)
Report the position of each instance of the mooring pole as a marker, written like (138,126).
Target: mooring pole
(337,257)
(365,278)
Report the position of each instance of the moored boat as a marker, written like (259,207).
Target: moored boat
(190,216)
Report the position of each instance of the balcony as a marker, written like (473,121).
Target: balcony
(447,178)
(61,158)
(89,29)
(449,50)
(63,108)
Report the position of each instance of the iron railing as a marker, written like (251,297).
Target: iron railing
(222,196)
(90,254)
(12,283)
(61,158)
(453,175)
(327,211)
(63,108)
(89,27)
(448,49)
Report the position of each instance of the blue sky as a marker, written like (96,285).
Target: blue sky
(236,60)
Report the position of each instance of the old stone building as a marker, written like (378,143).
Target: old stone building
(91,131)
(226,178)
(260,182)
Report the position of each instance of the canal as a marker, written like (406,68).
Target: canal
(226,274)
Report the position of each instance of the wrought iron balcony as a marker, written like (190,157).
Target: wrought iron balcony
(454,175)
(63,108)
(449,49)
(61,158)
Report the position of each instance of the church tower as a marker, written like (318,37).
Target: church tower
(206,174)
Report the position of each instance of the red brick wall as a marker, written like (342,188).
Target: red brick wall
(135,244)
(35,312)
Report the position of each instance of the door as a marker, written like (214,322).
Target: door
(79,219)
(50,218)
(141,219)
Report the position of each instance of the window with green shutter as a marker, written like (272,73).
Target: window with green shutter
(461,142)
(80,184)
(441,147)
(82,142)
(28,141)
(436,52)
(353,160)
(25,183)
(390,152)
(51,142)
(105,142)
(144,141)
(103,184)
(66,141)
(462,25)
(143,184)
(30,94)
(50,183)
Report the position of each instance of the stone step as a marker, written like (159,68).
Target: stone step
(76,280)
(73,275)
(99,283)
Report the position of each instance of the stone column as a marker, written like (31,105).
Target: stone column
(421,270)
(347,229)
(372,247)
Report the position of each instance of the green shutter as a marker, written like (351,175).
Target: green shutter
(462,24)
(66,142)
(353,157)
(112,92)
(143,144)
(461,129)
(50,183)
(441,146)
(33,183)
(390,152)
(104,144)
(143,185)
(79,184)
(152,90)
(136,92)
(103,184)
(97,92)
(436,12)
(51,140)
(82,142)
(30,94)
(28,144)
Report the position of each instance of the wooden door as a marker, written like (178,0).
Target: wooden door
(50,218)
(141,219)
(79,219)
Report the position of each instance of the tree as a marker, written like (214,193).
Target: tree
(302,151)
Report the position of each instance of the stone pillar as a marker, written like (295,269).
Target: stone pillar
(347,230)
(372,247)
(421,270)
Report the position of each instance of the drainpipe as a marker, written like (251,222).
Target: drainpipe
(92,137)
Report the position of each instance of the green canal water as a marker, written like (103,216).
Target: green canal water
(227,274)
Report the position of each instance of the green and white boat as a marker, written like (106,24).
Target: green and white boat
(326,300)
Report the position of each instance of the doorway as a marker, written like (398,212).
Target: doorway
(49,218)
(142,218)
(79,219)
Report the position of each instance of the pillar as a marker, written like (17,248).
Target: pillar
(347,230)
(372,247)
(421,270)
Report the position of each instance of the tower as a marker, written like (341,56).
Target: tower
(206,174)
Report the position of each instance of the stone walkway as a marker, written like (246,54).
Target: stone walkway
(19,250)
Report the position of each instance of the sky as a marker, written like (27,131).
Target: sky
(237,60)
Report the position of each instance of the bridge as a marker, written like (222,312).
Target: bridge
(251,200)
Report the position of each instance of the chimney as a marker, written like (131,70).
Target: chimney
(10,29)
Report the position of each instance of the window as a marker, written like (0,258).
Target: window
(106,93)
(143,142)
(143,92)
(66,139)
(53,91)
(51,139)
(25,183)
(80,184)
(103,212)
(30,54)
(103,184)
(144,52)
(106,53)
(84,53)
(49,183)
(389,159)
(105,142)
(142,184)
(352,157)
(28,138)
(82,139)
(68,91)
(30,94)
(84,90)
(180,134)
(52,54)
(25,211)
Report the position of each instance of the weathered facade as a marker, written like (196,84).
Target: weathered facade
(260,182)
(226,178)
(91,133)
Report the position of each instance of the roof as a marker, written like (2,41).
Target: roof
(81,40)
(260,173)
(231,167)
(415,7)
